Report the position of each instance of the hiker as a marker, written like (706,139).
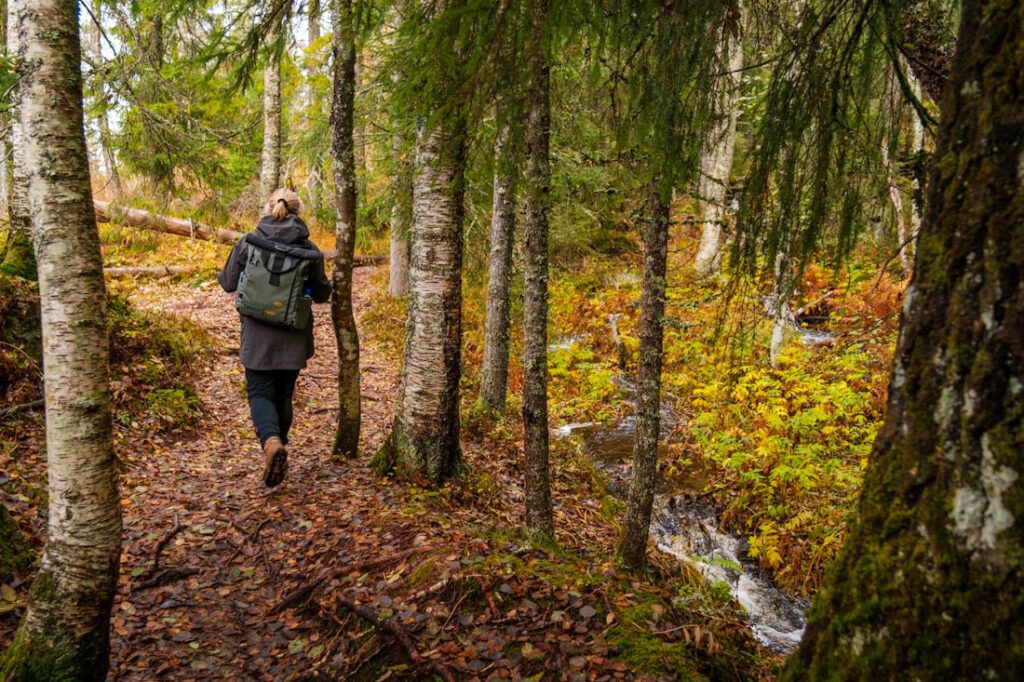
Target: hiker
(277,274)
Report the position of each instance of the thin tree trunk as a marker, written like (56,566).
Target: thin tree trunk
(778,304)
(540,526)
(928,585)
(716,160)
(102,120)
(633,547)
(494,375)
(424,440)
(270,168)
(314,181)
(65,631)
(401,215)
(346,439)
(18,258)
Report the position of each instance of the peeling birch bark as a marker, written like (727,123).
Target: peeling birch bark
(716,159)
(270,166)
(65,631)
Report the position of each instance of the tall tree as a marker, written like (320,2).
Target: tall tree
(928,585)
(65,631)
(270,166)
(642,484)
(539,522)
(95,33)
(401,217)
(18,258)
(346,439)
(315,179)
(424,440)
(494,374)
(716,158)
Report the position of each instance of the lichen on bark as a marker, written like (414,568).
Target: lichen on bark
(930,584)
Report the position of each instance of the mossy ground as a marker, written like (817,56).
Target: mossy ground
(16,553)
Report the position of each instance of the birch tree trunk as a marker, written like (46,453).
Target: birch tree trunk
(315,179)
(928,585)
(424,440)
(346,439)
(65,631)
(633,547)
(494,375)
(401,215)
(18,257)
(540,526)
(270,168)
(716,159)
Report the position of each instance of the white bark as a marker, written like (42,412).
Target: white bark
(716,160)
(398,275)
(270,168)
(314,181)
(425,438)
(68,613)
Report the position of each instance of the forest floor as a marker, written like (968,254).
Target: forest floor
(211,555)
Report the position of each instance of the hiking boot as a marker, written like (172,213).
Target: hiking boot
(275,461)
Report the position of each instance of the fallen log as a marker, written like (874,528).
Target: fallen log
(182,227)
(135,217)
(149,271)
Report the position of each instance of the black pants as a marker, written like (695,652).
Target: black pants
(270,401)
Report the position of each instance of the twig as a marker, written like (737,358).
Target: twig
(400,635)
(162,544)
(169,575)
(304,592)
(34,405)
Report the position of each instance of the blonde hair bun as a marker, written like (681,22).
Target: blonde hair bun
(282,202)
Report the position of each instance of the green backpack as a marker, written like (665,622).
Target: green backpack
(272,287)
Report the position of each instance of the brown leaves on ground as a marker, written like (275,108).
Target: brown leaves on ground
(400,582)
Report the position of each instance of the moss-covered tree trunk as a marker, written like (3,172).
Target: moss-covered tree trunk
(644,479)
(930,583)
(65,632)
(539,521)
(18,258)
(270,164)
(494,374)
(346,439)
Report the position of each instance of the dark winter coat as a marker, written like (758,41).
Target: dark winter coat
(265,346)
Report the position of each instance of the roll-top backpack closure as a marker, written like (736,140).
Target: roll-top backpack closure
(272,286)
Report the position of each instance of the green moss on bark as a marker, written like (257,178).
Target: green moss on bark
(33,659)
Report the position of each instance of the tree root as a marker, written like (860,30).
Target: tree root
(304,592)
(398,632)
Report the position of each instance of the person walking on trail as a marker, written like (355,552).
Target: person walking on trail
(277,273)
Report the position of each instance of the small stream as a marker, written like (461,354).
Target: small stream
(686,526)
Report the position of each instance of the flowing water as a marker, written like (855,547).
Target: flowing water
(685,525)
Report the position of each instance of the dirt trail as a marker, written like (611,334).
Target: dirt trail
(469,597)
(246,544)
